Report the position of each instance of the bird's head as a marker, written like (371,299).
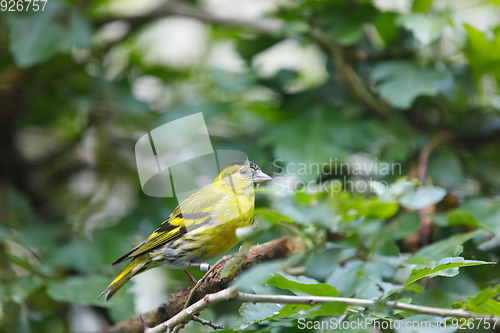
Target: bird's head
(244,172)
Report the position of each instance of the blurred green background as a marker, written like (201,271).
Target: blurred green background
(285,81)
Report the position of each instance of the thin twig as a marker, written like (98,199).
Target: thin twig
(207,323)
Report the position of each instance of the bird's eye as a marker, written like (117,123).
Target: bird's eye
(243,171)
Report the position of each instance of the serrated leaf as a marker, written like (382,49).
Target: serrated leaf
(401,82)
(402,226)
(449,247)
(442,268)
(484,303)
(252,313)
(303,284)
(425,28)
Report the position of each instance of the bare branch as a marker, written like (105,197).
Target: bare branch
(207,322)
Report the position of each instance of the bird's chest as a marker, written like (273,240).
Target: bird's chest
(225,236)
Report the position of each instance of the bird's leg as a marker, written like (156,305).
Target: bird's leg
(190,277)
(204,267)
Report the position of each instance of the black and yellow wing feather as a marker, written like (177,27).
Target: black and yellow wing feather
(194,212)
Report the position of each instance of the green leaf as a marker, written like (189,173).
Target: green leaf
(80,290)
(485,211)
(312,147)
(396,191)
(329,309)
(446,168)
(401,82)
(482,53)
(484,303)
(253,313)
(302,284)
(423,197)
(81,255)
(343,277)
(449,247)
(51,31)
(374,208)
(19,290)
(41,43)
(386,27)
(402,226)
(445,267)
(462,217)
(425,28)
(261,273)
(421,5)
(345,22)
(248,48)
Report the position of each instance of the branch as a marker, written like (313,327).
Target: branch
(423,236)
(426,152)
(212,283)
(269,27)
(231,294)
(207,322)
(348,74)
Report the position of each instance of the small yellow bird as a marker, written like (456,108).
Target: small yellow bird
(201,228)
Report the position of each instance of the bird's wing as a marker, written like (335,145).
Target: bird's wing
(192,213)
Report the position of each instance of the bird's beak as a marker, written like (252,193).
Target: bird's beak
(260,177)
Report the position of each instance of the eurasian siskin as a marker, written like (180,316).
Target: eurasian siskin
(201,228)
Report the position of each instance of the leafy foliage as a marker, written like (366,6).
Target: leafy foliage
(345,127)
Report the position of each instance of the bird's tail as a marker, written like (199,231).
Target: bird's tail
(134,267)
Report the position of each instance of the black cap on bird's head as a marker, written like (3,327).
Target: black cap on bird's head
(247,163)
(257,174)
